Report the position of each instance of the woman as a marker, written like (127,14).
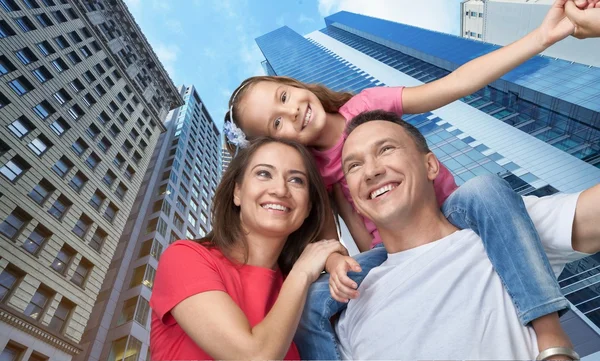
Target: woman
(225,296)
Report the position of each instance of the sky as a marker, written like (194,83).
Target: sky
(210,43)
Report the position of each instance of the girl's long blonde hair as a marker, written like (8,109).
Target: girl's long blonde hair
(331,100)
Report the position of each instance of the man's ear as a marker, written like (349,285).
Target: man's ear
(433,166)
(236,195)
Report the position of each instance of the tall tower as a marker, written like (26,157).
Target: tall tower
(502,22)
(537,126)
(82,103)
(174,204)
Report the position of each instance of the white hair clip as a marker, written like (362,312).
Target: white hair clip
(235,135)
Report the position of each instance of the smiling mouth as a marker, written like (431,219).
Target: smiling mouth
(307,117)
(275,207)
(383,190)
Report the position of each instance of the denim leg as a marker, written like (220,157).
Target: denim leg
(315,337)
(489,206)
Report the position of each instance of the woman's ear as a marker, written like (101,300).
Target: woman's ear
(236,195)
(433,166)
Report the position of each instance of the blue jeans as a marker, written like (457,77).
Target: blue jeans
(487,205)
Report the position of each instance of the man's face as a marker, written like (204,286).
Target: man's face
(386,173)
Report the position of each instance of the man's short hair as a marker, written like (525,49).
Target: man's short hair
(371,115)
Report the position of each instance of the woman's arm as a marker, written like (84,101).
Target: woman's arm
(479,72)
(219,327)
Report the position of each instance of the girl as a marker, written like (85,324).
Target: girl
(224,296)
(316,116)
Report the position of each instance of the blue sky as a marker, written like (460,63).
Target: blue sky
(210,43)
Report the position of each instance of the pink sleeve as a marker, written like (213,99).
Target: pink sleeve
(185,268)
(444,185)
(383,98)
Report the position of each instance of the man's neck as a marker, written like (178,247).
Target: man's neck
(425,226)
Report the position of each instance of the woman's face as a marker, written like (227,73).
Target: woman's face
(274,194)
(281,111)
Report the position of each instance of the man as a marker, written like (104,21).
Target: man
(437,295)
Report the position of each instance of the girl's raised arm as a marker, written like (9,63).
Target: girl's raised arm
(479,72)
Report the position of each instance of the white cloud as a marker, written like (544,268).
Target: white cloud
(438,15)
(161,5)
(305,19)
(167,55)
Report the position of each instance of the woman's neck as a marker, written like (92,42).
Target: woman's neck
(262,251)
(335,125)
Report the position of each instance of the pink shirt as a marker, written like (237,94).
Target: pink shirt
(330,161)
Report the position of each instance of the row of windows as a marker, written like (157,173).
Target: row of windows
(473,14)
(15,352)
(38,306)
(43,20)
(473,34)
(16,167)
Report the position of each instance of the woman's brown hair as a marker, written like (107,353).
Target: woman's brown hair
(331,100)
(227,228)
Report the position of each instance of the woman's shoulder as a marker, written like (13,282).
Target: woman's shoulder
(183,250)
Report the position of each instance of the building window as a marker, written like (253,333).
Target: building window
(82,226)
(92,161)
(97,200)
(59,16)
(180,204)
(8,281)
(85,51)
(192,220)
(129,172)
(89,77)
(111,212)
(78,181)
(143,275)
(89,100)
(38,303)
(60,207)
(25,24)
(98,239)
(61,96)
(75,59)
(103,118)
(92,131)
(5,65)
(79,147)
(63,260)
(44,20)
(74,36)
(9,5)
(35,241)
(5,30)
(62,313)
(76,112)
(121,191)
(119,161)
(21,127)
(76,85)
(62,166)
(21,85)
(104,145)
(178,222)
(45,48)
(59,126)
(41,191)
(42,74)
(12,352)
(43,110)
(39,145)
(14,168)
(125,349)
(81,273)
(61,42)
(109,178)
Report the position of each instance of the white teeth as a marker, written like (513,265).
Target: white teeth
(382,190)
(277,207)
(307,117)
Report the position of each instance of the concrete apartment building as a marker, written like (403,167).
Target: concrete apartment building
(173,204)
(502,22)
(82,102)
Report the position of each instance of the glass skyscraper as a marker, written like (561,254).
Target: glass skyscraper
(538,127)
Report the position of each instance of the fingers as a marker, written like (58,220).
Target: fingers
(582,4)
(342,291)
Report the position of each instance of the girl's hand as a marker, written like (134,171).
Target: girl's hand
(556,26)
(312,260)
(342,288)
(585,15)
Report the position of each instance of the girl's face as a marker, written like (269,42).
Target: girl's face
(281,111)
(274,195)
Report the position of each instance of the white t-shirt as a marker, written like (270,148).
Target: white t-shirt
(443,300)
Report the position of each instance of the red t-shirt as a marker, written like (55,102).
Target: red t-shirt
(187,268)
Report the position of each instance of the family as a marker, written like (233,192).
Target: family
(445,272)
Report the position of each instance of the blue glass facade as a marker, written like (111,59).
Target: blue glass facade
(550,99)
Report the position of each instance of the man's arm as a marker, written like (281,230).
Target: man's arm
(586,226)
